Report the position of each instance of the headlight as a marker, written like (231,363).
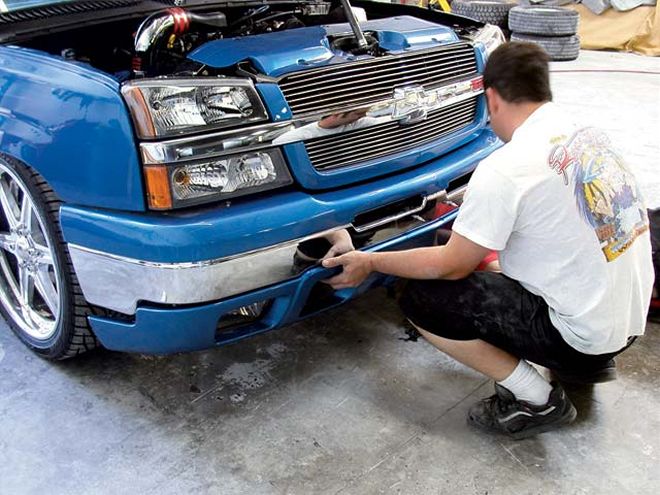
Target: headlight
(225,177)
(166,107)
(490,37)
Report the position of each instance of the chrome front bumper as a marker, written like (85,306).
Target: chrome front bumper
(119,283)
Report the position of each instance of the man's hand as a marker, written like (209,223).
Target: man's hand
(341,243)
(357,267)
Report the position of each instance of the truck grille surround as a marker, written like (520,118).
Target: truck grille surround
(344,86)
(369,81)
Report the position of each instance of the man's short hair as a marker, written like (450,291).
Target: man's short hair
(519,73)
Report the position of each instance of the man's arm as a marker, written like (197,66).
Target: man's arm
(455,260)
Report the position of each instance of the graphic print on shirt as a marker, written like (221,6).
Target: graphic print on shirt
(606,193)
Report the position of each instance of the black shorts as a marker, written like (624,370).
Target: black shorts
(494,308)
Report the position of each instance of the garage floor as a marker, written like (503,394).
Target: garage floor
(341,403)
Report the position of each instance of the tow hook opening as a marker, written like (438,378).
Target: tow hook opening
(321,296)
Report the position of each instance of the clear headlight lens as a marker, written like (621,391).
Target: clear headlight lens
(491,37)
(177,106)
(221,178)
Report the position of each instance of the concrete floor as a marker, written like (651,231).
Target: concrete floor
(341,403)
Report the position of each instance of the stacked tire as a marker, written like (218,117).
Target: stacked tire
(494,12)
(552,28)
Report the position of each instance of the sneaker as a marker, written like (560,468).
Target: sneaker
(503,413)
(606,373)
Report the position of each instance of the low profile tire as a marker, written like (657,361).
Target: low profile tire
(494,12)
(557,47)
(544,20)
(39,295)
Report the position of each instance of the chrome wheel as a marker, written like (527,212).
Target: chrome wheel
(29,274)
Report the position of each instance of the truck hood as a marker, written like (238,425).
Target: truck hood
(275,54)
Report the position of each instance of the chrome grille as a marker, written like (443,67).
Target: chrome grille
(360,145)
(369,81)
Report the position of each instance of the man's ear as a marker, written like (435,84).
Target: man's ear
(493,100)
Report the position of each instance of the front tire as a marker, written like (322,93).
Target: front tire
(39,294)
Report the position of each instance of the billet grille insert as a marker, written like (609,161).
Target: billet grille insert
(361,145)
(370,81)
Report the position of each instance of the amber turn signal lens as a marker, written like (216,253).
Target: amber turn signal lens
(158,188)
(144,124)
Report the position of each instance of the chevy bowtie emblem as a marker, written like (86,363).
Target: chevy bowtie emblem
(412,104)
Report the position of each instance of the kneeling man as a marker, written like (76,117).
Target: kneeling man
(565,214)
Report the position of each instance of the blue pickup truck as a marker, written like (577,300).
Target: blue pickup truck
(171,171)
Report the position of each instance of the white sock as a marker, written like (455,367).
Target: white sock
(527,384)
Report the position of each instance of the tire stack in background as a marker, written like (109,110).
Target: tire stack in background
(552,28)
(495,12)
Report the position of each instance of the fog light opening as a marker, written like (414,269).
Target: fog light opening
(242,320)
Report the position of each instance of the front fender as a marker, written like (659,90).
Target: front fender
(69,122)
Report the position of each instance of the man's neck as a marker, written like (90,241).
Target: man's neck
(520,112)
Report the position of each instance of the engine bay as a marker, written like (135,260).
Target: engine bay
(161,43)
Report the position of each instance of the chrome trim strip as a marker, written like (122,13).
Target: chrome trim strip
(119,283)
(391,218)
(205,263)
(454,198)
(406,105)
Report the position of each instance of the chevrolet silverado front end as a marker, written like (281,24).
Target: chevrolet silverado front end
(160,167)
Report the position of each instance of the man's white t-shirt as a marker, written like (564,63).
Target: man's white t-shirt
(568,221)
